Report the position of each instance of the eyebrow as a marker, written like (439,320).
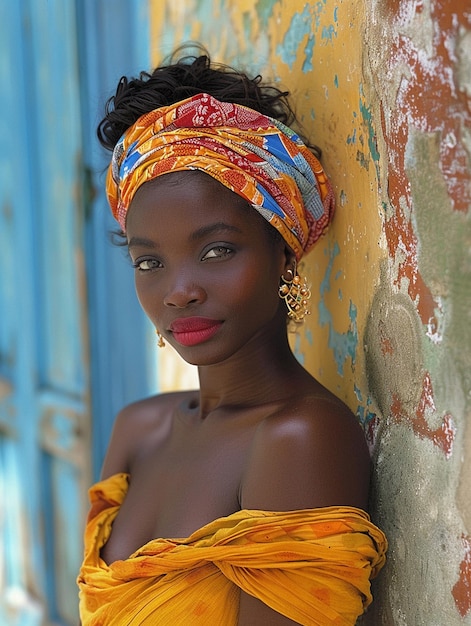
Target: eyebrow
(218,227)
(204,231)
(141,242)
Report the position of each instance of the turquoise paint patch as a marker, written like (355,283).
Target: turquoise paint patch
(363,412)
(358,393)
(318,8)
(300,27)
(306,23)
(264,10)
(351,139)
(365,416)
(336,15)
(329,32)
(368,120)
(336,80)
(343,345)
(367,117)
(308,54)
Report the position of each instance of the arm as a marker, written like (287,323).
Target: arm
(134,426)
(117,458)
(316,458)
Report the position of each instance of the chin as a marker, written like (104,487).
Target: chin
(203,356)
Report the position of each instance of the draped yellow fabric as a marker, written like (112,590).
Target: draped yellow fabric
(313,566)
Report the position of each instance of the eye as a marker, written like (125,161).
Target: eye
(217,252)
(147,265)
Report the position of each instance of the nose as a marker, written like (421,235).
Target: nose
(184,292)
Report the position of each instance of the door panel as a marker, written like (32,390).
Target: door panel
(66,294)
(44,414)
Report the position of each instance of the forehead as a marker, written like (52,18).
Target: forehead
(190,199)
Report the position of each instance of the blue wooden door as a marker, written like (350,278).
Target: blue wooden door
(113,41)
(45,417)
(55,415)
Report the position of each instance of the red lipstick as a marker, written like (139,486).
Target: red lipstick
(190,331)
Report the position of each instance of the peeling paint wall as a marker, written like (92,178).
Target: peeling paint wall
(418,67)
(384,88)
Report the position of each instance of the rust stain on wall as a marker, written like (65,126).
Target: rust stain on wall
(418,61)
(462,589)
(443,436)
(428,99)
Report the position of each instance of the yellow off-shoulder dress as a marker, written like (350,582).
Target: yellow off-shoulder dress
(313,566)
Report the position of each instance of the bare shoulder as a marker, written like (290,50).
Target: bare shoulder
(137,423)
(311,453)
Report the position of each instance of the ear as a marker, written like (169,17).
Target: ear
(289,260)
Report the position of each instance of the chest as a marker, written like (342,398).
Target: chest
(179,485)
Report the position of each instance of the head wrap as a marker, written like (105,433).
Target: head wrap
(256,156)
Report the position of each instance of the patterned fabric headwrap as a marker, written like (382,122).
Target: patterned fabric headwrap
(256,156)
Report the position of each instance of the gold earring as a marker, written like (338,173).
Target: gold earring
(160,339)
(296,293)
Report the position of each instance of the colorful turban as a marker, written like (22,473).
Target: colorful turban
(256,156)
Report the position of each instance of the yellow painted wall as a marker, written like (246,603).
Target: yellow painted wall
(298,45)
(384,88)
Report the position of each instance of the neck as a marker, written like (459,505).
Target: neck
(261,372)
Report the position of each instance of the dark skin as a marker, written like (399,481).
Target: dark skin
(261,432)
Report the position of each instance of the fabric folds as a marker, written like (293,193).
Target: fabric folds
(313,566)
(253,155)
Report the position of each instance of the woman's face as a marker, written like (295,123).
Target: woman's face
(207,269)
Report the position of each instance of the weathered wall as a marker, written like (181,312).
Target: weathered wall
(418,68)
(384,87)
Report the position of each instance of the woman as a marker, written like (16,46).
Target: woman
(242,503)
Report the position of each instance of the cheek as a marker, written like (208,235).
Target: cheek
(254,290)
(146,294)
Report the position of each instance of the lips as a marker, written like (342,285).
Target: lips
(190,331)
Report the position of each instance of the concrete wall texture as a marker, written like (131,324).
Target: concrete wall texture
(384,88)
